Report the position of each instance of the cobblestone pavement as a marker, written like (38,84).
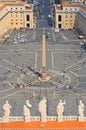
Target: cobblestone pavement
(21,61)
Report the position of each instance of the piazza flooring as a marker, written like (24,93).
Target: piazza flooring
(27,56)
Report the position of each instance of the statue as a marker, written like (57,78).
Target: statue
(60,108)
(7,107)
(81,108)
(43,109)
(26,111)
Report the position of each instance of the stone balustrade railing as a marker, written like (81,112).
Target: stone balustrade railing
(16,118)
(38,118)
(69,118)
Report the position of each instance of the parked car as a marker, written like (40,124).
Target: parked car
(81,36)
(48,36)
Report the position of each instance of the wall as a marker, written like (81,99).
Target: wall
(68,19)
(81,22)
(12,17)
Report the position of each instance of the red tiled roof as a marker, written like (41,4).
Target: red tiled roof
(28,7)
(70,125)
(2,6)
(65,4)
(58,7)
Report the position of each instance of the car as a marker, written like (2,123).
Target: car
(15,42)
(56,30)
(21,41)
(81,36)
(48,36)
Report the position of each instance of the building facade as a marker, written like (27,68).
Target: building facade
(81,20)
(68,16)
(76,1)
(16,15)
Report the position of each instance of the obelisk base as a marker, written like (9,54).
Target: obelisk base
(44,75)
(45,78)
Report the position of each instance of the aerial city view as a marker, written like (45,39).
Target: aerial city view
(43,65)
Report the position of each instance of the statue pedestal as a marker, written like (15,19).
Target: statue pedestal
(44,119)
(27,119)
(81,118)
(6,119)
(60,118)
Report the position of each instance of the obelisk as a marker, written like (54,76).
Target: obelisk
(44,56)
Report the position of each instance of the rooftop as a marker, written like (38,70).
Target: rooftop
(67,125)
(27,6)
(73,5)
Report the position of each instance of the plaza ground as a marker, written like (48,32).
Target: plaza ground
(19,61)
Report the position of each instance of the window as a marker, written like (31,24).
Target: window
(16,14)
(75,9)
(28,25)
(59,18)
(59,26)
(70,16)
(21,15)
(11,15)
(66,16)
(27,17)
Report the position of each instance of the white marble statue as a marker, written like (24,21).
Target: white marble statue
(60,108)
(7,108)
(43,109)
(81,108)
(26,111)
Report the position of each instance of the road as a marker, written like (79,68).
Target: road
(44,8)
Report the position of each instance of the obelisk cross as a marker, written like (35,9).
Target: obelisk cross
(43,56)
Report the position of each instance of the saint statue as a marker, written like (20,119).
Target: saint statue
(81,108)
(7,107)
(26,110)
(43,109)
(60,108)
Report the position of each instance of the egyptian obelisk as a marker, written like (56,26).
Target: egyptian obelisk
(44,56)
